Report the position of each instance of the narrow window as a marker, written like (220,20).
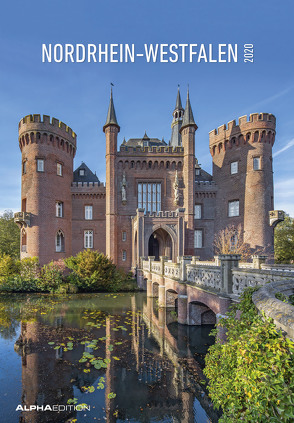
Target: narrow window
(59,208)
(197,172)
(24,205)
(88,212)
(256,163)
(59,169)
(124,255)
(234,208)
(234,168)
(198,241)
(40,165)
(88,239)
(59,242)
(124,236)
(198,211)
(24,167)
(23,241)
(82,172)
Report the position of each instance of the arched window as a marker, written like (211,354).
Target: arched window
(59,241)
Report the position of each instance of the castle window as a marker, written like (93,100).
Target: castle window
(149,196)
(124,255)
(59,169)
(197,172)
(132,164)
(82,172)
(59,208)
(234,168)
(24,167)
(198,238)
(88,239)
(233,208)
(23,241)
(24,205)
(197,214)
(40,165)
(124,236)
(59,242)
(256,163)
(88,212)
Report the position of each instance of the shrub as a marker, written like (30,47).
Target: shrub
(251,375)
(51,276)
(29,268)
(8,267)
(93,271)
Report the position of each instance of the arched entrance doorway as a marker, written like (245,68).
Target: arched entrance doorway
(160,244)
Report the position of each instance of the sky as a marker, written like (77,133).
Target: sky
(145,93)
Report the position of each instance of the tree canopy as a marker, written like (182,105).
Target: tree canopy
(9,235)
(284,241)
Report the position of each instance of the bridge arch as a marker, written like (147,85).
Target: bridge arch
(171,298)
(200,314)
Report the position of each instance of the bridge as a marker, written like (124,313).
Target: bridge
(202,291)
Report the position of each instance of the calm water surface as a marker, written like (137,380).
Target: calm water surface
(117,354)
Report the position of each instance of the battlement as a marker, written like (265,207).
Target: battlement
(88,184)
(165,214)
(153,150)
(31,123)
(255,122)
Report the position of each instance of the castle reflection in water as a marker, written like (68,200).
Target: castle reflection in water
(156,377)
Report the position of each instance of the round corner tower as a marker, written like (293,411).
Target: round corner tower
(48,148)
(242,169)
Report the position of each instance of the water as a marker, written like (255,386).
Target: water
(118,354)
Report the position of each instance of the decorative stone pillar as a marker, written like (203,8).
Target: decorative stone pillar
(163,259)
(258,261)
(161,296)
(217,260)
(183,309)
(228,263)
(149,288)
(195,259)
(151,259)
(184,260)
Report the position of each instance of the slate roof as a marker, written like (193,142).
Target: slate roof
(139,142)
(89,176)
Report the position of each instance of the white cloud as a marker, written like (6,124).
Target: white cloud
(288,145)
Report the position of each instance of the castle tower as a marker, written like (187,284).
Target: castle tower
(242,169)
(48,148)
(176,139)
(187,132)
(111,129)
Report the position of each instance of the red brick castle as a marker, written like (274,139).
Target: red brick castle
(157,200)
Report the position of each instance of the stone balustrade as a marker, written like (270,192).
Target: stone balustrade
(205,276)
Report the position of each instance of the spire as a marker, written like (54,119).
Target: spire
(188,119)
(178,102)
(176,139)
(111,116)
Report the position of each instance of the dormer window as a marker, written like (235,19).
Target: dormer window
(197,172)
(82,172)
(145,143)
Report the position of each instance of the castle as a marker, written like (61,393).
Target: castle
(157,200)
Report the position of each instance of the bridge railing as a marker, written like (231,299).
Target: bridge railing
(205,276)
(244,278)
(226,274)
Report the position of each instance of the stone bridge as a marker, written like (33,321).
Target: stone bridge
(202,291)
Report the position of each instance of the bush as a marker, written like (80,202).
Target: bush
(251,375)
(93,271)
(51,277)
(9,266)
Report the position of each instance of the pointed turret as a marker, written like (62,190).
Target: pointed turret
(188,119)
(176,139)
(111,116)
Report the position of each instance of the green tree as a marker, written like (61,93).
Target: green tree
(251,375)
(284,241)
(9,235)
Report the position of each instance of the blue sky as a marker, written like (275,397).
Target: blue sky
(145,93)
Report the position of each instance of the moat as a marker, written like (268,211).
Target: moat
(119,354)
